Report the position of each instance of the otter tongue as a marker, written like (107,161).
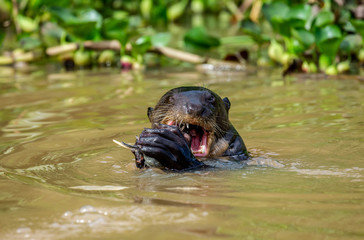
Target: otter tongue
(198,143)
(195,144)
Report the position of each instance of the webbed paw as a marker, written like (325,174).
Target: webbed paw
(167,145)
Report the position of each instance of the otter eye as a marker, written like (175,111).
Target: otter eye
(210,99)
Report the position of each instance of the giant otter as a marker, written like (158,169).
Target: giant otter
(189,125)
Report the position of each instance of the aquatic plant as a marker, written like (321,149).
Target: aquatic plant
(321,35)
(307,36)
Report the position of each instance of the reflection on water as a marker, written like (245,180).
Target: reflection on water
(62,177)
(26,124)
(88,221)
(354,172)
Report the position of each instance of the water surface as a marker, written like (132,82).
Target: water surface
(62,177)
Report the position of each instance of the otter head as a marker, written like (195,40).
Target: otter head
(200,114)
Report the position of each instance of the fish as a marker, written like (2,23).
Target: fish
(141,160)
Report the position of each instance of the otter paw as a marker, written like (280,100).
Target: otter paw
(139,158)
(167,145)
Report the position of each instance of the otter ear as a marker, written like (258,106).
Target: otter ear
(150,113)
(227,103)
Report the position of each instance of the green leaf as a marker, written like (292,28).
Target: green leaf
(275,10)
(27,24)
(5,6)
(120,15)
(299,15)
(250,27)
(361,55)
(344,16)
(52,33)
(161,39)
(63,14)
(112,24)
(351,43)
(146,7)
(324,18)
(35,5)
(197,6)
(83,30)
(176,10)
(328,32)
(277,15)
(328,39)
(294,46)
(198,37)
(253,30)
(142,45)
(275,51)
(330,47)
(304,36)
(359,26)
(115,29)
(90,15)
(325,61)
(52,29)
(83,17)
(242,40)
(159,14)
(85,25)
(2,36)
(29,43)
(348,27)
(301,12)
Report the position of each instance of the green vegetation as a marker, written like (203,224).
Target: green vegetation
(307,36)
(327,36)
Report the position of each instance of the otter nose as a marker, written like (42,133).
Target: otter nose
(194,108)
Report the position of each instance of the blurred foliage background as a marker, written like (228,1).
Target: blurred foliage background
(309,36)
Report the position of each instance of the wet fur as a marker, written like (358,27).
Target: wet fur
(164,146)
(224,134)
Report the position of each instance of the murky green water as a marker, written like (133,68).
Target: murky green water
(62,177)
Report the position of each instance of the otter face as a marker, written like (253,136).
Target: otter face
(200,114)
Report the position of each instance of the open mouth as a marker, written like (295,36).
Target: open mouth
(196,136)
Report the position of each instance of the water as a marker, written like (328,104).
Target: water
(62,177)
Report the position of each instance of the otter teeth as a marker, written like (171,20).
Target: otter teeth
(183,125)
(203,149)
